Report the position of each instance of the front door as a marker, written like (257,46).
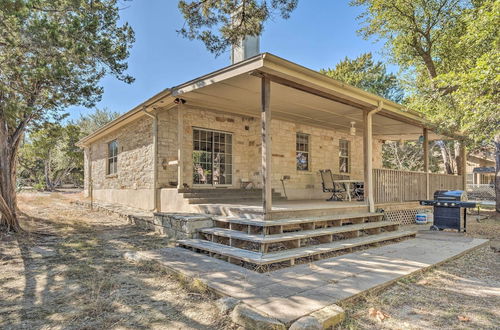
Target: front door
(212,158)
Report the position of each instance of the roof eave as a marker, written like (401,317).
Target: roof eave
(274,62)
(128,116)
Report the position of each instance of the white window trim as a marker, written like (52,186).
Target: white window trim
(109,157)
(308,152)
(348,155)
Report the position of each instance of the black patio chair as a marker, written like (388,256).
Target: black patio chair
(359,191)
(329,185)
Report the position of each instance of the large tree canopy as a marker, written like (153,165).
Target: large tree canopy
(53,54)
(366,74)
(451,48)
(91,122)
(222,23)
(49,157)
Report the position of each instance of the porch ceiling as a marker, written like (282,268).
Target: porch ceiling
(241,94)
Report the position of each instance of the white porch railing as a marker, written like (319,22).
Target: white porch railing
(405,186)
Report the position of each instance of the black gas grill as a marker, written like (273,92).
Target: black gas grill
(447,205)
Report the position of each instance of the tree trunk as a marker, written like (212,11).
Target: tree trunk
(446,157)
(8,197)
(457,160)
(47,171)
(497,171)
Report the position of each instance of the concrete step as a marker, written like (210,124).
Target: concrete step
(225,194)
(219,191)
(342,208)
(269,227)
(258,258)
(230,199)
(334,246)
(282,222)
(259,238)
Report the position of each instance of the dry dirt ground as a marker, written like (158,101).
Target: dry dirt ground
(460,294)
(68,272)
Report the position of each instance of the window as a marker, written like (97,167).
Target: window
(344,156)
(212,157)
(112,157)
(302,152)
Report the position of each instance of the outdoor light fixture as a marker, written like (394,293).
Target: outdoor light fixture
(421,139)
(352,130)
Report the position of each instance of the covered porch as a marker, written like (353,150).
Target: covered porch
(281,96)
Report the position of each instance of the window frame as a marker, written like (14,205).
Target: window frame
(112,158)
(307,151)
(347,156)
(228,154)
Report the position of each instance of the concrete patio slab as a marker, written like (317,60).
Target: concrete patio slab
(291,293)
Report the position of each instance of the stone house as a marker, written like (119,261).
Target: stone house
(262,127)
(230,164)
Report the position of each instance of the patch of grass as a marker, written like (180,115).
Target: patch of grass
(87,284)
(197,285)
(151,266)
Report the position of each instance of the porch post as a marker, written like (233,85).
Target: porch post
(368,155)
(463,166)
(267,201)
(426,163)
(180,146)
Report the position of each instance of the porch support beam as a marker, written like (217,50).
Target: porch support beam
(180,146)
(368,154)
(426,163)
(310,90)
(265,119)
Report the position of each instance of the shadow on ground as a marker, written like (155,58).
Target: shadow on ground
(67,271)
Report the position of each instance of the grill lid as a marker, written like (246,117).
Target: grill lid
(450,195)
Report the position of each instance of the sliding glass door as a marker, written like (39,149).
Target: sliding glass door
(212,158)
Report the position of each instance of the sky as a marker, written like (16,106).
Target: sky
(318,35)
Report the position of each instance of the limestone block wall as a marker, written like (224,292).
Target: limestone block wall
(324,150)
(324,154)
(167,148)
(246,139)
(180,226)
(132,184)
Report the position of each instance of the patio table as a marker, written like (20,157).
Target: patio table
(347,186)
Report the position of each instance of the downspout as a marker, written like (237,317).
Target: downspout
(90,181)
(369,155)
(155,158)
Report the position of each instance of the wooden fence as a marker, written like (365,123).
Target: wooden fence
(405,186)
(444,181)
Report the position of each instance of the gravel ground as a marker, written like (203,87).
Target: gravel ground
(68,272)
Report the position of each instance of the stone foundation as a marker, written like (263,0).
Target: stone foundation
(181,225)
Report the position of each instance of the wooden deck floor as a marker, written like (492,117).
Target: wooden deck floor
(285,208)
